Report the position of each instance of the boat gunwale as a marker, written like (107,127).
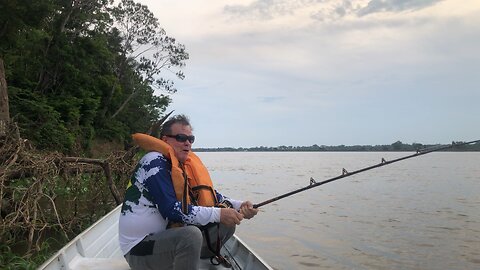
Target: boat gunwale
(60,254)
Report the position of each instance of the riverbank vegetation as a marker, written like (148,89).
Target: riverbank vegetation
(47,198)
(397,146)
(81,71)
(77,78)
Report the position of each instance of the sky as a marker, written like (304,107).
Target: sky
(326,72)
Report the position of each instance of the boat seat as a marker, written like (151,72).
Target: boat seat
(82,263)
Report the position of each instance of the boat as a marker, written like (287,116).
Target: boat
(98,248)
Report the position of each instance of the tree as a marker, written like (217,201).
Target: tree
(397,146)
(146,50)
(16,16)
(71,20)
(82,69)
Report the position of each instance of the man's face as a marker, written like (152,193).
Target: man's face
(181,148)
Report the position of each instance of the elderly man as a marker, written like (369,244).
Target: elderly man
(169,190)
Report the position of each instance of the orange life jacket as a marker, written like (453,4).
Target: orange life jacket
(191,180)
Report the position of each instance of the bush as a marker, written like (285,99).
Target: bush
(39,121)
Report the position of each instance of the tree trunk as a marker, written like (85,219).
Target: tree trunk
(124,103)
(108,100)
(43,79)
(4,109)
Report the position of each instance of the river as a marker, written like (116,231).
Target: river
(421,213)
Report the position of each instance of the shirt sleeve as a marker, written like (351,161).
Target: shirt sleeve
(162,193)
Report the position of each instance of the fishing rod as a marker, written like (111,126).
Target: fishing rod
(345,173)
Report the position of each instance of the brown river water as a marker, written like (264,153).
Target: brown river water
(421,213)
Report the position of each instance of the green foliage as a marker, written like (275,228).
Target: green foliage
(76,72)
(39,121)
(10,260)
(18,15)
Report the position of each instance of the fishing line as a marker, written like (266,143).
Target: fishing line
(346,173)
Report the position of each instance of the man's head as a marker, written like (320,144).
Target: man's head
(177,132)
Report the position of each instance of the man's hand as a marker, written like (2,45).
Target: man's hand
(230,216)
(247,210)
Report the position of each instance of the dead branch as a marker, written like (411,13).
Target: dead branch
(43,191)
(39,191)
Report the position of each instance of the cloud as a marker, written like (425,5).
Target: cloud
(376,6)
(266,9)
(349,72)
(322,10)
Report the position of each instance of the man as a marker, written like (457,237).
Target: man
(169,190)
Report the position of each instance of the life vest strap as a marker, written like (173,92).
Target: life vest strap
(196,193)
(217,258)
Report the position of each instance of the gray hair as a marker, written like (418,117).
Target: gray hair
(167,126)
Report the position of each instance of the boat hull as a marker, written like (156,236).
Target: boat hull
(97,248)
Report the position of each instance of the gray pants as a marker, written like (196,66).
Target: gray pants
(176,248)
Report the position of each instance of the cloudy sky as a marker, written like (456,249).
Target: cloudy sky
(327,72)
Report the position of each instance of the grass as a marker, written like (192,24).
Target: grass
(11,260)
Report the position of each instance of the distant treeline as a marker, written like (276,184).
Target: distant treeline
(396,146)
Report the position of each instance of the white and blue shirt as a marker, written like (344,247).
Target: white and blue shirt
(150,203)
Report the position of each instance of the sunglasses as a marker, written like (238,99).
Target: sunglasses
(182,138)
